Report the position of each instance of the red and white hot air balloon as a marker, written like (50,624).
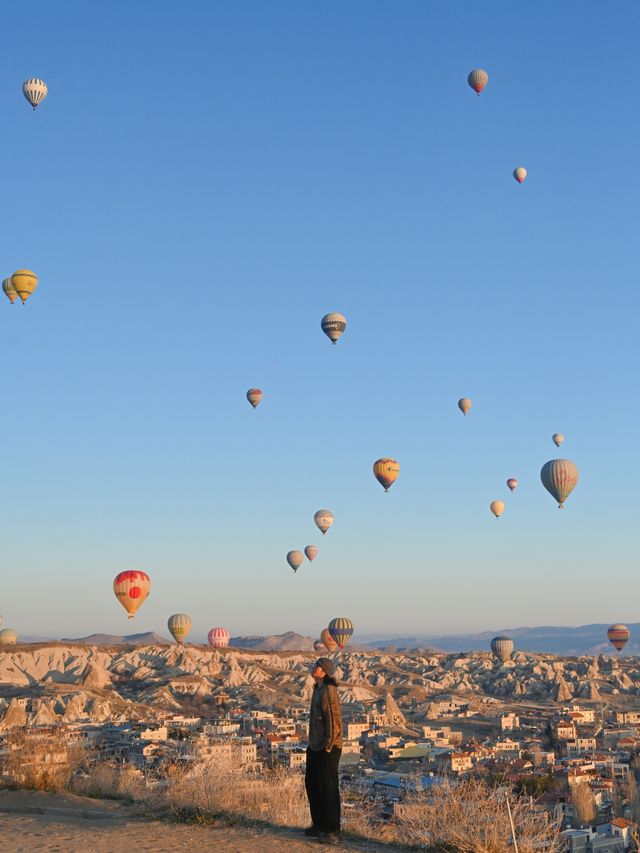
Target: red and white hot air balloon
(219,638)
(478,79)
(254,396)
(312,552)
(131,589)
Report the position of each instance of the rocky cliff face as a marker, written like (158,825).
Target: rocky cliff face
(50,683)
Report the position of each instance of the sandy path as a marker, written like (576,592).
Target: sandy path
(35,821)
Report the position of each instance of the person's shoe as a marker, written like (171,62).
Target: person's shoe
(329,838)
(312,831)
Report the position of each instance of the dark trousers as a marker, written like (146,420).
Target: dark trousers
(321,782)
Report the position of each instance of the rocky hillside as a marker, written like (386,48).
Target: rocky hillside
(68,682)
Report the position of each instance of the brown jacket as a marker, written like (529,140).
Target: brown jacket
(325,718)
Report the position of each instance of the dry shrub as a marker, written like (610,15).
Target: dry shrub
(471,817)
(107,781)
(37,759)
(218,786)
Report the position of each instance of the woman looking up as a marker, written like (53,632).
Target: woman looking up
(323,754)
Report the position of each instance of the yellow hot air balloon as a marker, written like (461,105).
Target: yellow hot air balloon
(386,472)
(520,174)
(497,508)
(24,282)
(8,637)
(464,404)
(9,290)
(179,624)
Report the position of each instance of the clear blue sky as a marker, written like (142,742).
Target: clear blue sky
(202,184)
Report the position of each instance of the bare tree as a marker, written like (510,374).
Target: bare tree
(583,801)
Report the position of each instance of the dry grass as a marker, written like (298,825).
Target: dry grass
(461,817)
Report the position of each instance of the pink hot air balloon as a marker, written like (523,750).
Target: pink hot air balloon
(219,638)
(512,483)
(312,552)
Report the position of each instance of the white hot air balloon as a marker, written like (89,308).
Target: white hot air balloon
(35,91)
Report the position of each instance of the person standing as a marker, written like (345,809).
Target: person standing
(323,754)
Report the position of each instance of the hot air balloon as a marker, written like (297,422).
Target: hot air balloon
(559,477)
(520,174)
(478,79)
(179,625)
(24,282)
(512,483)
(497,508)
(312,552)
(131,589)
(333,325)
(464,404)
(8,637)
(328,641)
(295,559)
(1,618)
(341,629)
(219,638)
(618,635)
(254,396)
(323,519)
(9,290)
(318,646)
(502,648)
(557,438)
(34,90)
(386,472)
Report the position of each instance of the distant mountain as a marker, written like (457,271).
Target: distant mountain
(287,642)
(148,638)
(556,640)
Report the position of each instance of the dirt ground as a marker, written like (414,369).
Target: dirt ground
(33,821)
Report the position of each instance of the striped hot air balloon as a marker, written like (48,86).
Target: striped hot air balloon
(341,629)
(9,290)
(618,635)
(478,79)
(179,624)
(254,396)
(35,91)
(131,590)
(323,519)
(8,637)
(312,552)
(333,325)
(559,477)
(328,641)
(24,282)
(386,472)
(502,648)
(219,638)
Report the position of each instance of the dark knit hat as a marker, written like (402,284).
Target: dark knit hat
(327,665)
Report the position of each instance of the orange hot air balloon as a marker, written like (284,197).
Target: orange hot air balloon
(512,483)
(254,396)
(131,589)
(329,643)
(464,404)
(386,472)
(497,508)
